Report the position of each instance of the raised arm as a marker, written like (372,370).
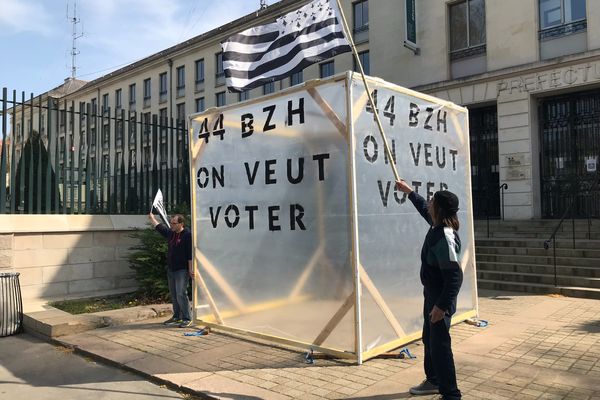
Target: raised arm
(418,201)
(160,228)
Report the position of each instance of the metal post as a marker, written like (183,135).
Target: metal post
(3,158)
(554,253)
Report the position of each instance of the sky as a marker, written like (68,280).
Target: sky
(36,35)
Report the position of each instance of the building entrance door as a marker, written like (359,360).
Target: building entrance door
(570,154)
(485,177)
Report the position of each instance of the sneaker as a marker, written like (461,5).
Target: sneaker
(425,387)
(185,323)
(172,321)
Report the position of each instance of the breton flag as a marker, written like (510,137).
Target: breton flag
(296,40)
(160,207)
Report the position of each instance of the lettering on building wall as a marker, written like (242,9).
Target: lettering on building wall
(547,80)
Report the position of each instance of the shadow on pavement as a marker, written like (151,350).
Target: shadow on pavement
(30,362)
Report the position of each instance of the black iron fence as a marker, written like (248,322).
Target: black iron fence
(62,157)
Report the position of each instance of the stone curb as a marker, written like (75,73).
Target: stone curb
(52,323)
(107,361)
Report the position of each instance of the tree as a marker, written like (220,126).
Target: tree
(34,147)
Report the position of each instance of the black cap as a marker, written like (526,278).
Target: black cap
(447,201)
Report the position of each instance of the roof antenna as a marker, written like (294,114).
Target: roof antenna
(74,52)
(263,4)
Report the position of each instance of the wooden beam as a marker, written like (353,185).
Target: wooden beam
(370,286)
(335,320)
(206,292)
(220,281)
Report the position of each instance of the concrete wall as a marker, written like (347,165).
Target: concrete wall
(68,256)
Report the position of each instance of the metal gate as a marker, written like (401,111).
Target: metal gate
(485,177)
(569,156)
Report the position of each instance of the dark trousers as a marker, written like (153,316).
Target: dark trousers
(439,361)
(178,283)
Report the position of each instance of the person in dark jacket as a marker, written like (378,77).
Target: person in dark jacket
(179,267)
(441,276)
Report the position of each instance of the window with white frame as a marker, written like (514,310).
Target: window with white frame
(364,60)
(132,97)
(181,112)
(118,99)
(244,95)
(219,71)
(467,29)
(163,87)
(361,20)
(220,99)
(269,87)
(326,69)
(561,17)
(199,74)
(200,104)
(296,78)
(180,81)
(105,103)
(147,92)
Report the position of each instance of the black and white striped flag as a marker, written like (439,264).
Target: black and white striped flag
(271,52)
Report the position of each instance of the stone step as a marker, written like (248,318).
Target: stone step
(588,293)
(538,251)
(535,243)
(551,224)
(537,234)
(548,260)
(548,269)
(544,279)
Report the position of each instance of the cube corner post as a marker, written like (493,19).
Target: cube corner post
(297,222)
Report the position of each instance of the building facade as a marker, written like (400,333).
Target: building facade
(528,70)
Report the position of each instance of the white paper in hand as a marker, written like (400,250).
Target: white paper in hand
(158,204)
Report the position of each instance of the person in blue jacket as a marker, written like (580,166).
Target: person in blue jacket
(179,267)
(441,276)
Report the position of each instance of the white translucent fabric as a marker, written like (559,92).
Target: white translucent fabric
(275,248)
(430,144)
(288,274)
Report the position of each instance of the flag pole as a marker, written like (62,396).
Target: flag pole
(362,74)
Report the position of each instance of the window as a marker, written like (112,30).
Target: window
(181,112)
(364,60)
(106,136)
(105,103)
(146,127)
(132,97)
(94,108)
(199,71)
(244,95)
(296,78)
(554,13)
(162,114)
(269,87)
(220,99)
(200,104)
(220,73)
(467,29)
(180,81)
(118,99)
(326,69)
(361,20)
(162,87)
(147,92)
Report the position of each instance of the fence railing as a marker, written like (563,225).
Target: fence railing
(59,157)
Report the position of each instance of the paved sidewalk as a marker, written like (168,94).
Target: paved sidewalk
(535,347)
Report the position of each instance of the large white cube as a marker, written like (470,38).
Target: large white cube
(300,236)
